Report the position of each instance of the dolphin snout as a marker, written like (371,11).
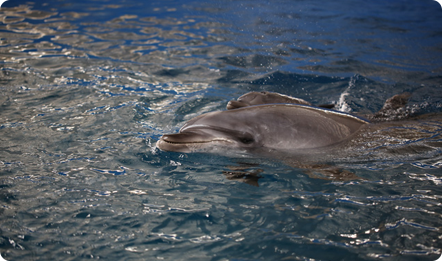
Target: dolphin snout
(236,104)
(188,141)
(187,137)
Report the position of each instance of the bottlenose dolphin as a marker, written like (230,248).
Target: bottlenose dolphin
(290,127)
(393,108)
(304,136)
(264,97)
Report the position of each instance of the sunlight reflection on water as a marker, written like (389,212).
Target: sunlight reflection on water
(88,88)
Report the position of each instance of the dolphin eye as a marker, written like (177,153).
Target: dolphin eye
(246,140)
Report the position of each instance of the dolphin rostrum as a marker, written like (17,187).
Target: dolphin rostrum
(291,127)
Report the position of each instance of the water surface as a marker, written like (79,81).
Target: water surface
(88,87)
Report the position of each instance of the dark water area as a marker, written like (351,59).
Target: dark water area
(88,87)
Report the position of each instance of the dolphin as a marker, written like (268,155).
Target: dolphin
(393,109)
(264,97)
(287,127)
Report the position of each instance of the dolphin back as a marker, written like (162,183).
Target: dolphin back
(304,127)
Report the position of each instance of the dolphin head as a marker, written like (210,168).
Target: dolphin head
(211,131)
(275,126)
(257,98)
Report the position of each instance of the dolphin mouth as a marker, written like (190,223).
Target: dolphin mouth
(188,142)
(173,139)
(183,138)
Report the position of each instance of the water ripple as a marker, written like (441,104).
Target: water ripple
(87,88)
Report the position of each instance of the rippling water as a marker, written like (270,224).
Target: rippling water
(88,87)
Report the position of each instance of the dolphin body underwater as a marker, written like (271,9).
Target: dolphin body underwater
(267,121)
(291,130)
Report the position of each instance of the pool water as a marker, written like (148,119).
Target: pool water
(88,87)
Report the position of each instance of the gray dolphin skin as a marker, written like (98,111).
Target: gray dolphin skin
(270,126)
(257,98)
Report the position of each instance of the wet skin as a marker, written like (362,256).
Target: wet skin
(299,135)
(270,126)
(259,98)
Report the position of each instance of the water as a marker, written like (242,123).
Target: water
(87,87)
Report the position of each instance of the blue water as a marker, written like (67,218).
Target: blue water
(88,87)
